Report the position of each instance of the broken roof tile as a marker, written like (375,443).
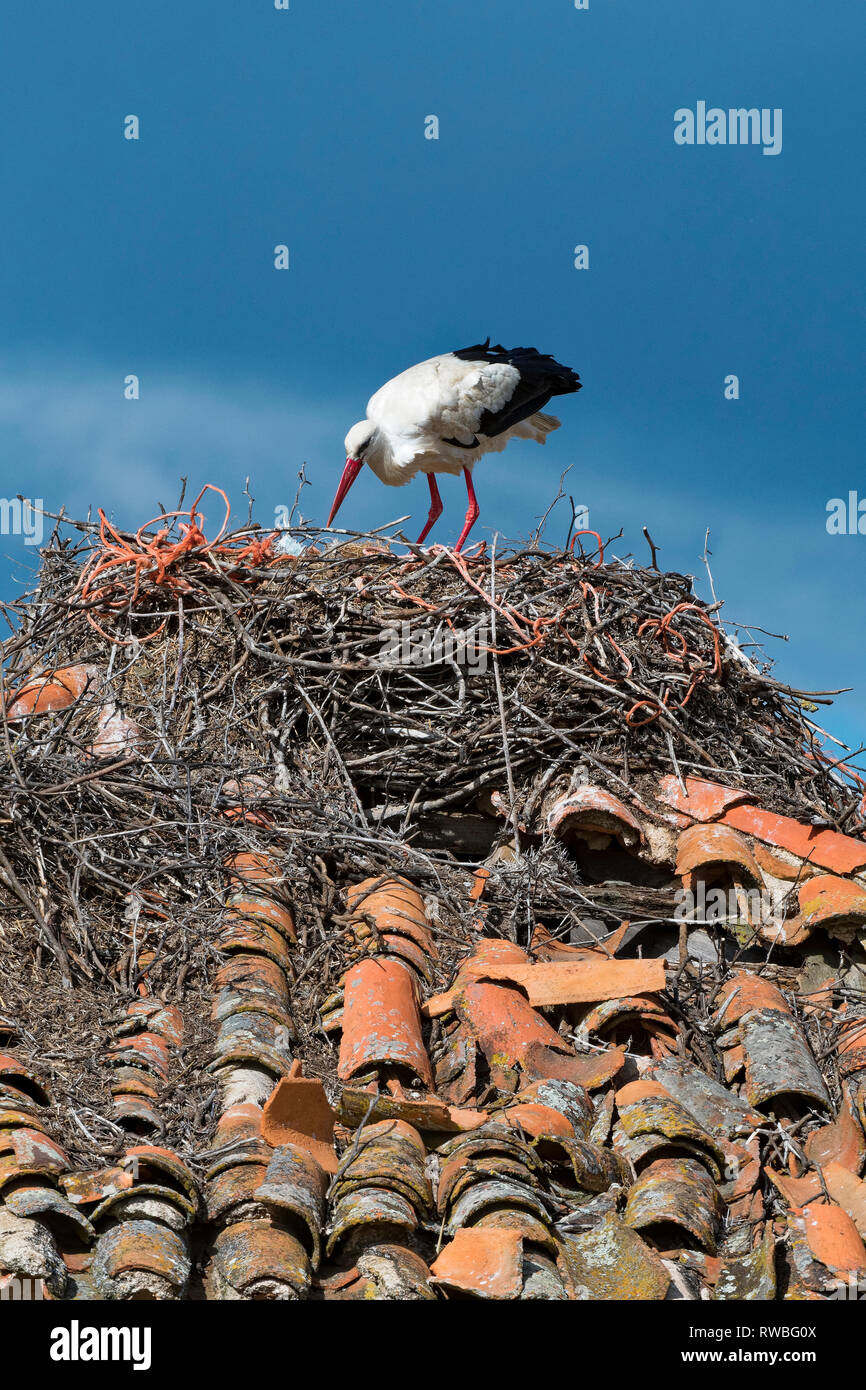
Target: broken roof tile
(25,1152)
(577,982)
(384,1273)
(512,1035)
(841,1141)
(115,734)
(156,1017)
(539,1121)
(483,1262)
(358,1106)
(298,1113)
(703,801)
(566,1097)
(847,1191)
(749,1276)
(851,1044)
(772,863)
(91,1187)
(831,1236)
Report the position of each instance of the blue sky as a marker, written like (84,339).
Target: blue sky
(306,127)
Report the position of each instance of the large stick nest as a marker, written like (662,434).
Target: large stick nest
(404,711)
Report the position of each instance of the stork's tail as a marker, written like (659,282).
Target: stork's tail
(539,426)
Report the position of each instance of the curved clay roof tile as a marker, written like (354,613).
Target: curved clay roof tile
(702,847)
(593,810)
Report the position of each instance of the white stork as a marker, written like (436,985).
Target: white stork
(443,415)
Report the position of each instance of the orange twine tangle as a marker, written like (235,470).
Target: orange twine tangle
(663,629)
(156,560)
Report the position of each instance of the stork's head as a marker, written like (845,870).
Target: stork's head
(358,442)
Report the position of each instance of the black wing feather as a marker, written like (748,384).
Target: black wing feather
(541,377)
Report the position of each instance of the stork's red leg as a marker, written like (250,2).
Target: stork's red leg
(435,507)
(473,511)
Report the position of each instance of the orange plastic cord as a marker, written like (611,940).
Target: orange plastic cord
(600,560)
(125,565)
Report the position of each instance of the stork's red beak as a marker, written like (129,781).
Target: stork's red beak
(350,473)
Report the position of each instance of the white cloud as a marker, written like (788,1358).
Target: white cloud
(69,436)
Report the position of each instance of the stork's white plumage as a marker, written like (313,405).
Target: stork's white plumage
(443,415)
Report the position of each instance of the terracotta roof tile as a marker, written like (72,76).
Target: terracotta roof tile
(141,1259)
(488,1264)
(295,1185)
(54,690)
(512,1035)
(792,869)
(702,801)
(381,1021)
(703,849)
(778,1061)
(566,983)
(611,1261)
(408,1012)
(676,1193)
(430,1114)
(298,1114)
(254,1259)
(392,906)
(593,811)
(841,854)
(832,1237)
(842,1141)
(659,1123)
(836,904)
